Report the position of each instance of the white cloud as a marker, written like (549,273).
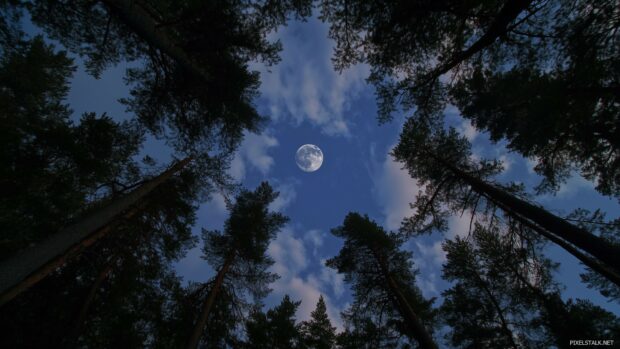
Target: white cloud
(467,130)
(573,186)
(394,190)
(315,238)
(253,151)
(428,285)
(289,254)
(291,262)
(432,253)
(287,196)
(304,86)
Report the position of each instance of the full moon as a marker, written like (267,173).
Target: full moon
(309,157)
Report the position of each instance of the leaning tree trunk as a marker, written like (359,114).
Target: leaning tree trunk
(208,303)
(32,264)
(412,320)
(142,23)
(604,251)
(588,261)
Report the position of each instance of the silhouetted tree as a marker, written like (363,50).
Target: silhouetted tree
(564,122)
(488,307)
(56,171)
(568,320)
(366,329)
(275,329)
(381,275)
(542,74)
(608,230)
(53,166)
(440,160)
(134,297)
(504,296)
(318,332)
(239,252)
(195,88)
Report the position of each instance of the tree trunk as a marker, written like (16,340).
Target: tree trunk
(208,303)
(29,266)
(412,321)
(588,261)
(605,252)
(143,24)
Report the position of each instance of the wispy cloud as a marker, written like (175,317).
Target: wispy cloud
(303,87)
(394,190)
(315,239)
(287,195)
(253,152)
(293,264)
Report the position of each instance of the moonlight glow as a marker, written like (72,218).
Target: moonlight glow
(309,157)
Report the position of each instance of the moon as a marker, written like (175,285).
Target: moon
(309,157)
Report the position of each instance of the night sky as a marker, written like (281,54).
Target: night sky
(306,101)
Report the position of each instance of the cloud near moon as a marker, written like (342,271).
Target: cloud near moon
(309,157)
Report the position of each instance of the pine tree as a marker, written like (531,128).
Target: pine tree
(369,330)
(452,177)
(541,74)
(195,88)
(30,265)
(504,296)
(133,302)
(57,171)
(381,274)
(318,332)
(239,252)
(595,222)
(275,329)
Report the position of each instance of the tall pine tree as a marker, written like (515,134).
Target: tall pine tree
(382,277)
(238,253)
(318,332)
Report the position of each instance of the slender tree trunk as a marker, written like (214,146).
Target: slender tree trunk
(208,303)
(92,293)
(509,12)
(605,252)
(412,321)
(143,24)
(29,266)
(588,261)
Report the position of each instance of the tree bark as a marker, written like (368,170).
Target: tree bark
(208,303)
(29,266)
(143,24)
(413,322)
(605,252)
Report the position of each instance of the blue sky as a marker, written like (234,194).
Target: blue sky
(308,102)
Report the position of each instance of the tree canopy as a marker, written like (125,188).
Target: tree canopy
(541,74)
